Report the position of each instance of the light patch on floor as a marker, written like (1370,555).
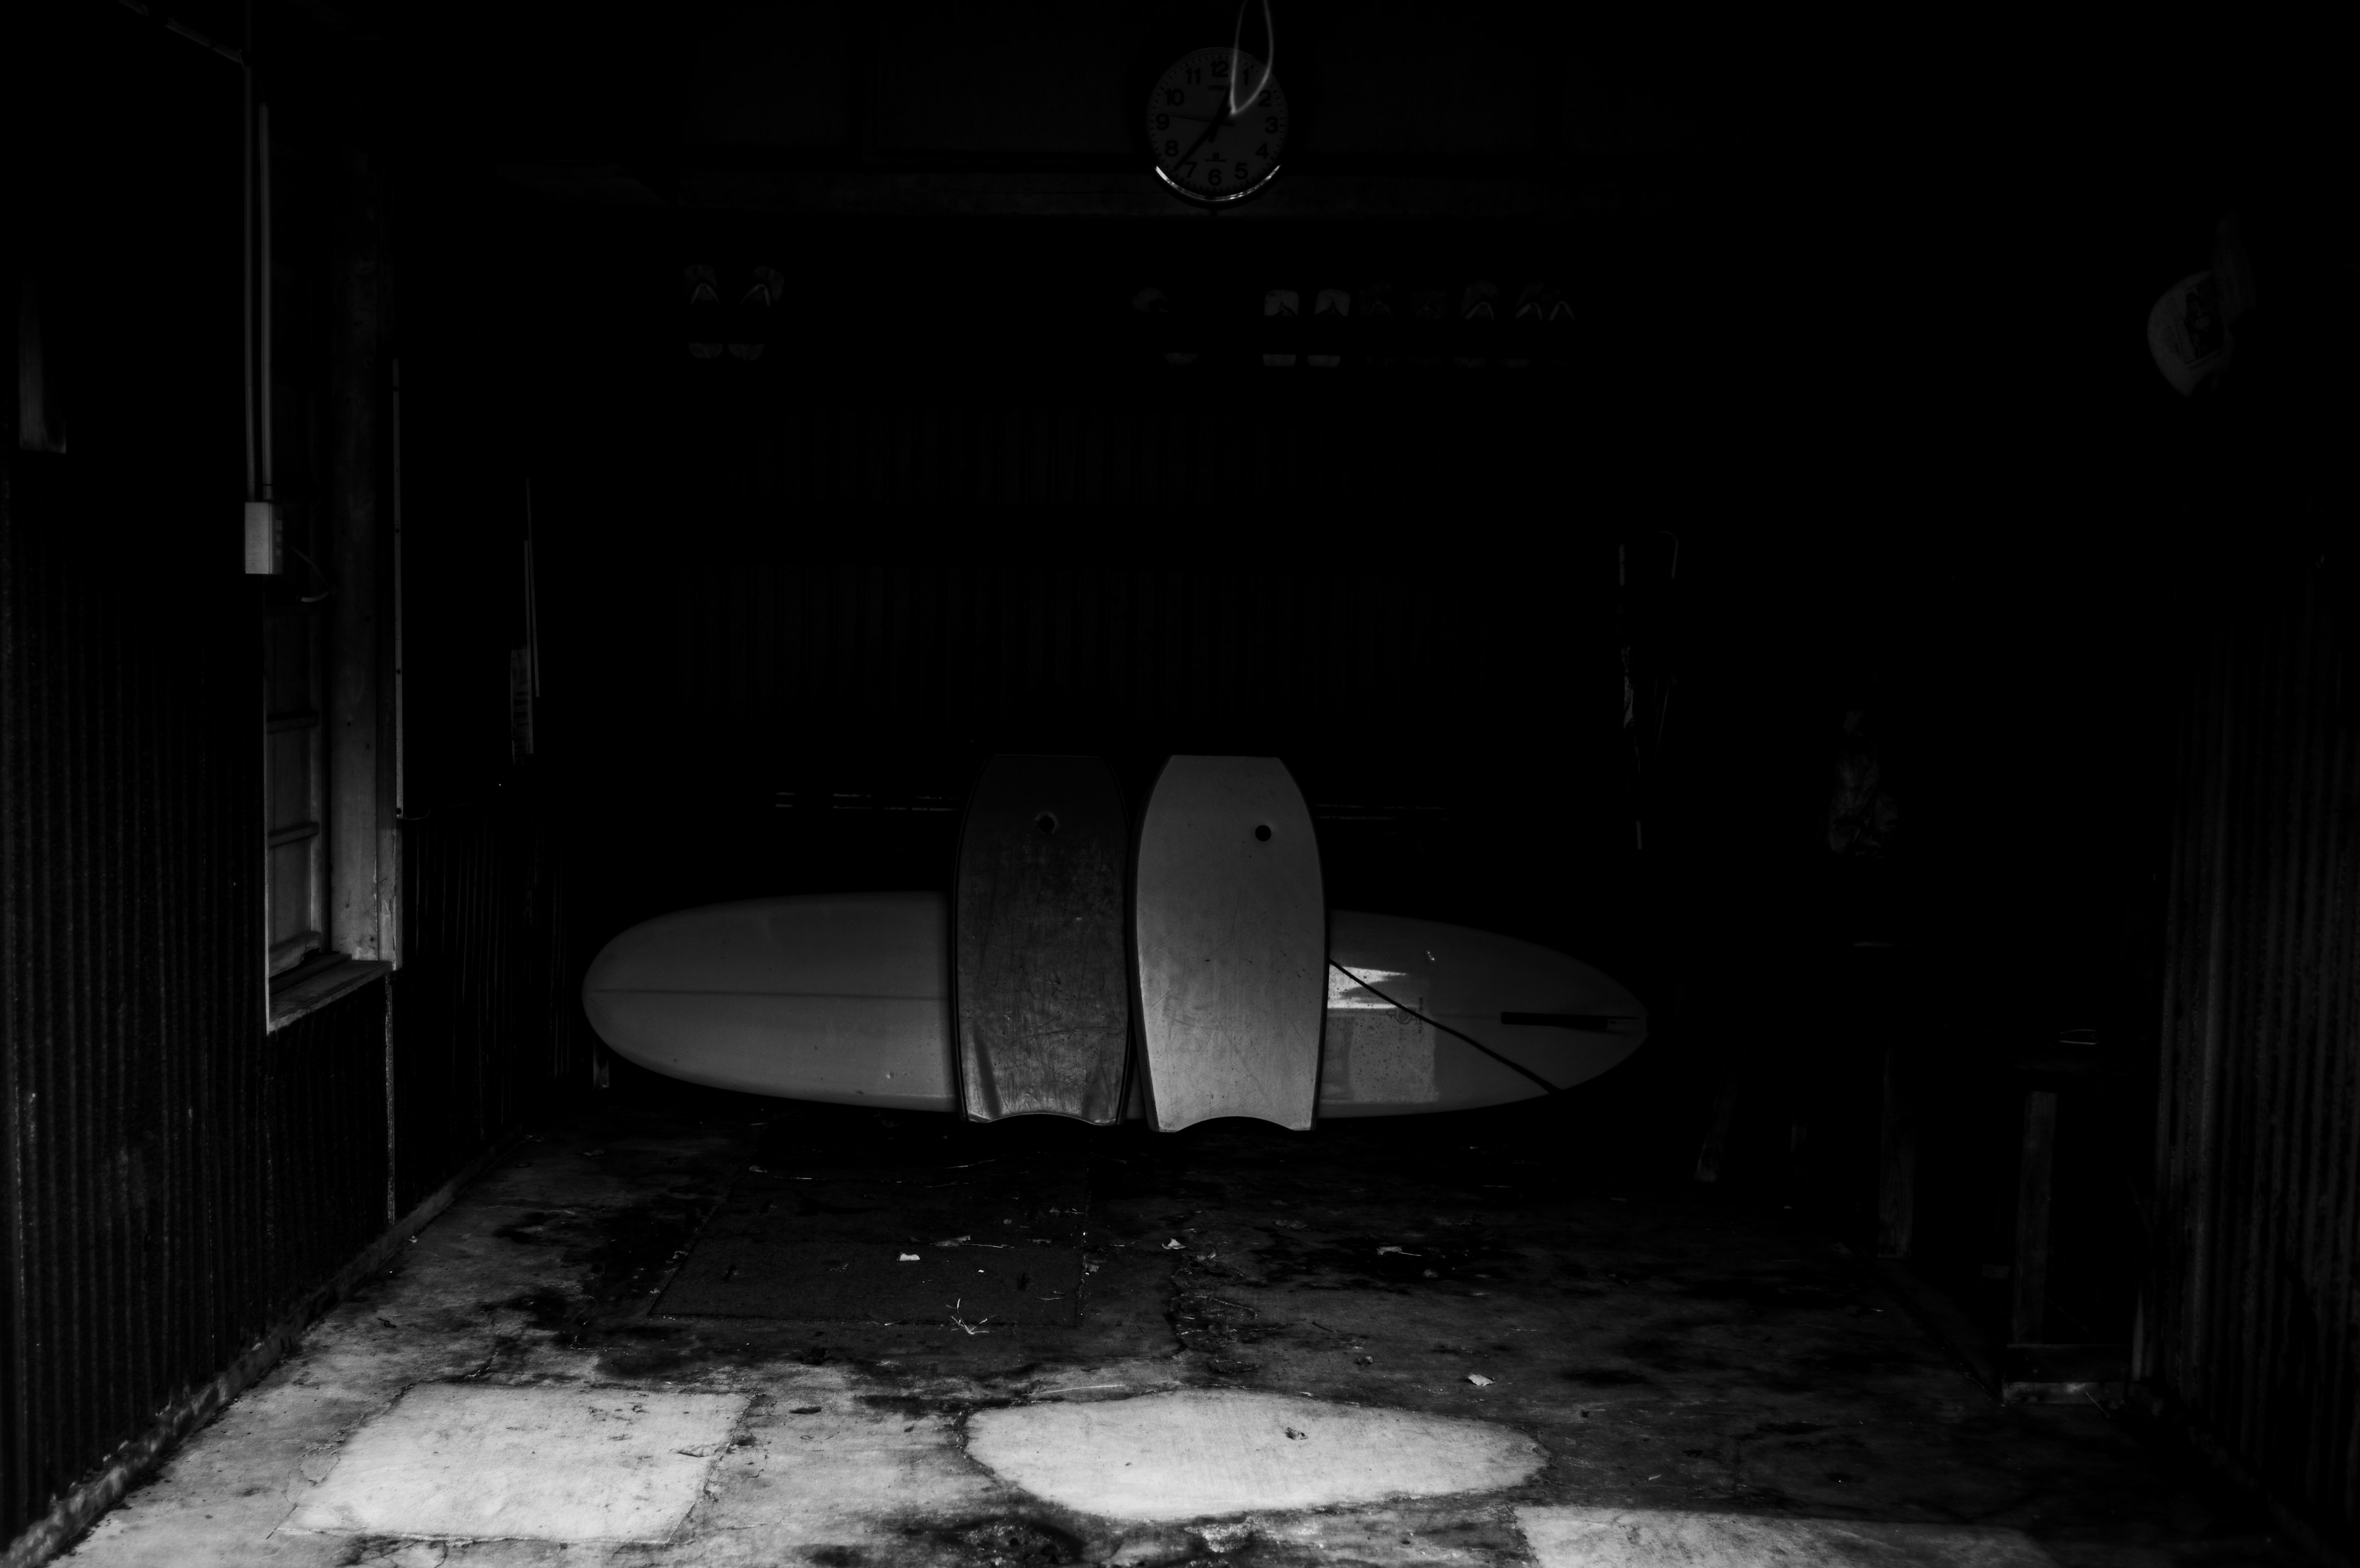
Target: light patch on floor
(822,1467)
(1223,1451)
(1647,1538)
(549,1462)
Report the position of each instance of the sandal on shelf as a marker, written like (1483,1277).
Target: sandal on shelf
(1524,328)
(1283,306)
(703,318)
(1327,318)
(1556,332)
(1478,325)
(751,325)
(1161,326)
(1427,328)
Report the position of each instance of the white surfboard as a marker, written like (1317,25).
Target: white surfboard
(846,999)
(838,998)
(1414,1005)
(1230,944)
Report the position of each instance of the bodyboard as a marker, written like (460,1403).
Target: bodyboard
(1230,944)
(1042,993)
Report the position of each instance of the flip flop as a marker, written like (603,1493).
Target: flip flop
(1523,329)
(1327,318)
(704,311)
(1282,305)
(1480,324)
(1556,332)
(750,322)
(1162,325)
(1426,328)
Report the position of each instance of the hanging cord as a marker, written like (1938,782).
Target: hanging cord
(326,587)
(1269,64)
(1446,1028)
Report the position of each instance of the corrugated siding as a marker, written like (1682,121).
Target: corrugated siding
(323,1126)
(2254,1331)
(1222,656)
(482,1011)
(174,1179)
(139,1087)
(1444,439)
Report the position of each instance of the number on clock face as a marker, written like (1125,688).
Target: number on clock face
(1203,151)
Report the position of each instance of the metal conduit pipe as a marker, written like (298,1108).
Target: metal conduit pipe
(245,274)
(262,136)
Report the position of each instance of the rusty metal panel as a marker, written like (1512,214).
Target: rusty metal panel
(2252,1331)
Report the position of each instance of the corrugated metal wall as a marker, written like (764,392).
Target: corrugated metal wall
(1397,689)
(176,1179)
(142,1152)
(1234,447)
(1249,653)
(2252,1329)
(322,1125)
(173,1179)
(483,1014)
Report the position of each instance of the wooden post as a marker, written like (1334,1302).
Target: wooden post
(1896,1190)
(2040,1159)
(361,853)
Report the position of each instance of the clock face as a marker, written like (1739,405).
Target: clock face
(1203,151)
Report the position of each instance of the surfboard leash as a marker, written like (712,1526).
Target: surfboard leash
(1413,1012)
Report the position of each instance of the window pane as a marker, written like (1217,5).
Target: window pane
(291,779)
(292,916)
(292,742)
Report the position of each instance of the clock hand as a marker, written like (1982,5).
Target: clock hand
(1211,126)
(1224,117)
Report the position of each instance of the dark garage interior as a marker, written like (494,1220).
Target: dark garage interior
(1826,531)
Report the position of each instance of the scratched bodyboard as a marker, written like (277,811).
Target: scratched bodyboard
(1229,939)
(1042,993)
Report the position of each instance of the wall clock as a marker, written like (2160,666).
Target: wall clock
(1203,151)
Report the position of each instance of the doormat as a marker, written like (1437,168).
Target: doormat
(994,1243)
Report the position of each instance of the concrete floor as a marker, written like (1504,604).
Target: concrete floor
(1536,1373)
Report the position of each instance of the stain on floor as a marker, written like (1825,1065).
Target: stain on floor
(1560,1372)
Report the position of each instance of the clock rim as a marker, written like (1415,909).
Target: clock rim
(1243,192)
(1240,194)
